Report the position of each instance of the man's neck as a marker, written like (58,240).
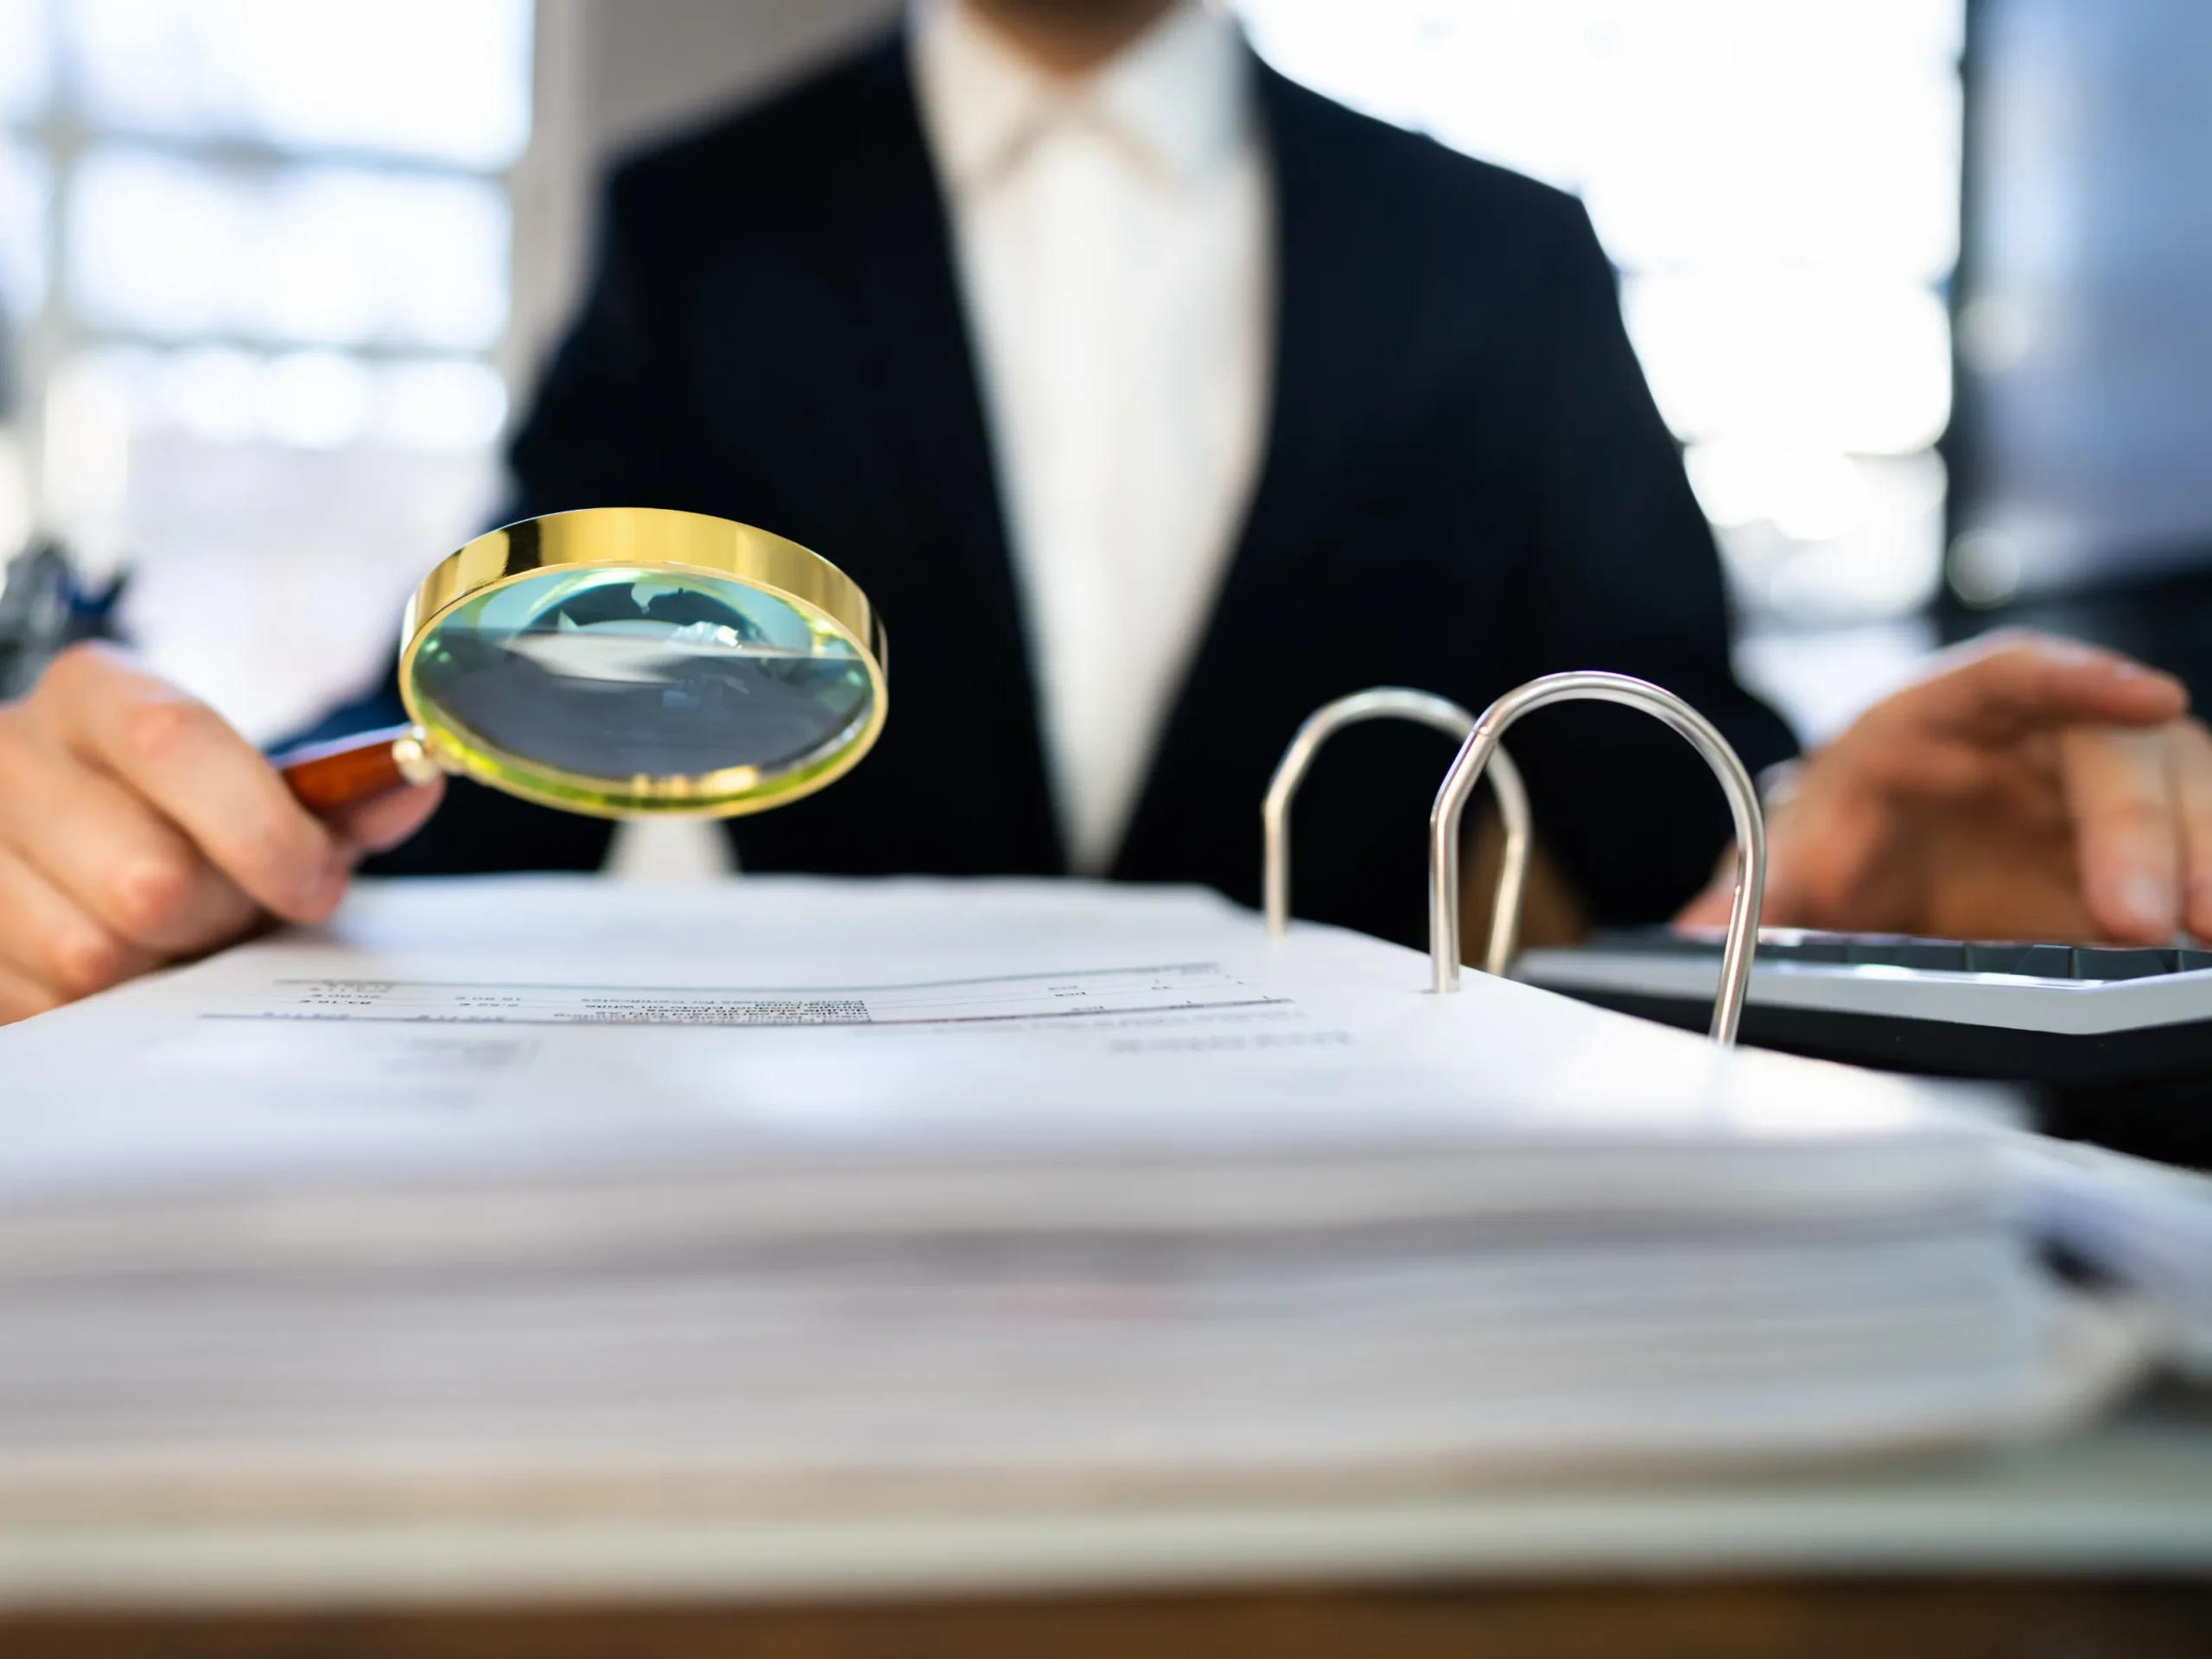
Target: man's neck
(1069,37)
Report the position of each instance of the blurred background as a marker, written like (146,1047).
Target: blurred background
(1923,286)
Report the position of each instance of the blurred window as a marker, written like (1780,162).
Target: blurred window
(179,248)
(255,255)
(440,82)
(24,175)
(1778,181)
(2085,326)
(26,61)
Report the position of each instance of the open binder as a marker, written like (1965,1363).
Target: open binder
(1480,755)
(797,1190)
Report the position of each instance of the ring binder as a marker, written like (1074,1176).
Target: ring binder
(1481,751)
(1392,701)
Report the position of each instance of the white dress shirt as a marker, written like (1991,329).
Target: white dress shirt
(1112,241)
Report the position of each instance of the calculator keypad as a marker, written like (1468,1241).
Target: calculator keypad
(1777,944)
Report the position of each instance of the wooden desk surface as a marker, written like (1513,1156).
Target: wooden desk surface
(2099,1544)
(1599,1619)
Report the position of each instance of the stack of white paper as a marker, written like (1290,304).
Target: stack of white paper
(2145,1225)
(802,1186)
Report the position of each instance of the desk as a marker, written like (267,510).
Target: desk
(2099,1544)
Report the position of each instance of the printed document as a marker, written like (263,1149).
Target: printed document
(493,1189)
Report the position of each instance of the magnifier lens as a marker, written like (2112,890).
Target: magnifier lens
(640,688)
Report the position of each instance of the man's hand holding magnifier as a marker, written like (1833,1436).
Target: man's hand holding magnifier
(619,661)
(137,828)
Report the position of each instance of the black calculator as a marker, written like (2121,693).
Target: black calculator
(2114,1044)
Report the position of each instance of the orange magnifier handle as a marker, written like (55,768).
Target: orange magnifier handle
(326,778)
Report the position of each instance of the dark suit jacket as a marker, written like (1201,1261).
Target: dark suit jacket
(1465,484)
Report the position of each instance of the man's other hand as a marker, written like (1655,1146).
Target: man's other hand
(137,828)
(2025,788)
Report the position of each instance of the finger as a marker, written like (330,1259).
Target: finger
(2192,773)
(379,825)
(1783,900)
(110,855)
(2012,683)
(21,997)
(1711,907)
(203,776)
(46,940)
(2120,794)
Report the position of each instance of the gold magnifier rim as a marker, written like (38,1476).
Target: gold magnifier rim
(660,539)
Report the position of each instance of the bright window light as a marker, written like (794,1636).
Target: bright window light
(1856,362)
(26,62)
(443,80)
(453,404)
(155,244)
(24,186)
(172,246)
(1849,163)
(316,400)
(214,394)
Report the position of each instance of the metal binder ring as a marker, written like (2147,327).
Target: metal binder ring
(1481,750)
(1445,715)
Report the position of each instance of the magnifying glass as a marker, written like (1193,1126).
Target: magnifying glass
(624,662)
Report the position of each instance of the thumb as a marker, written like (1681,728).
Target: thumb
(382,821)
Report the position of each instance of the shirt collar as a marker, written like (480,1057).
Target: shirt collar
(1179,93)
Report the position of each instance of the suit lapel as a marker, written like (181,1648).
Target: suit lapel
(1320,313)
(895,263)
